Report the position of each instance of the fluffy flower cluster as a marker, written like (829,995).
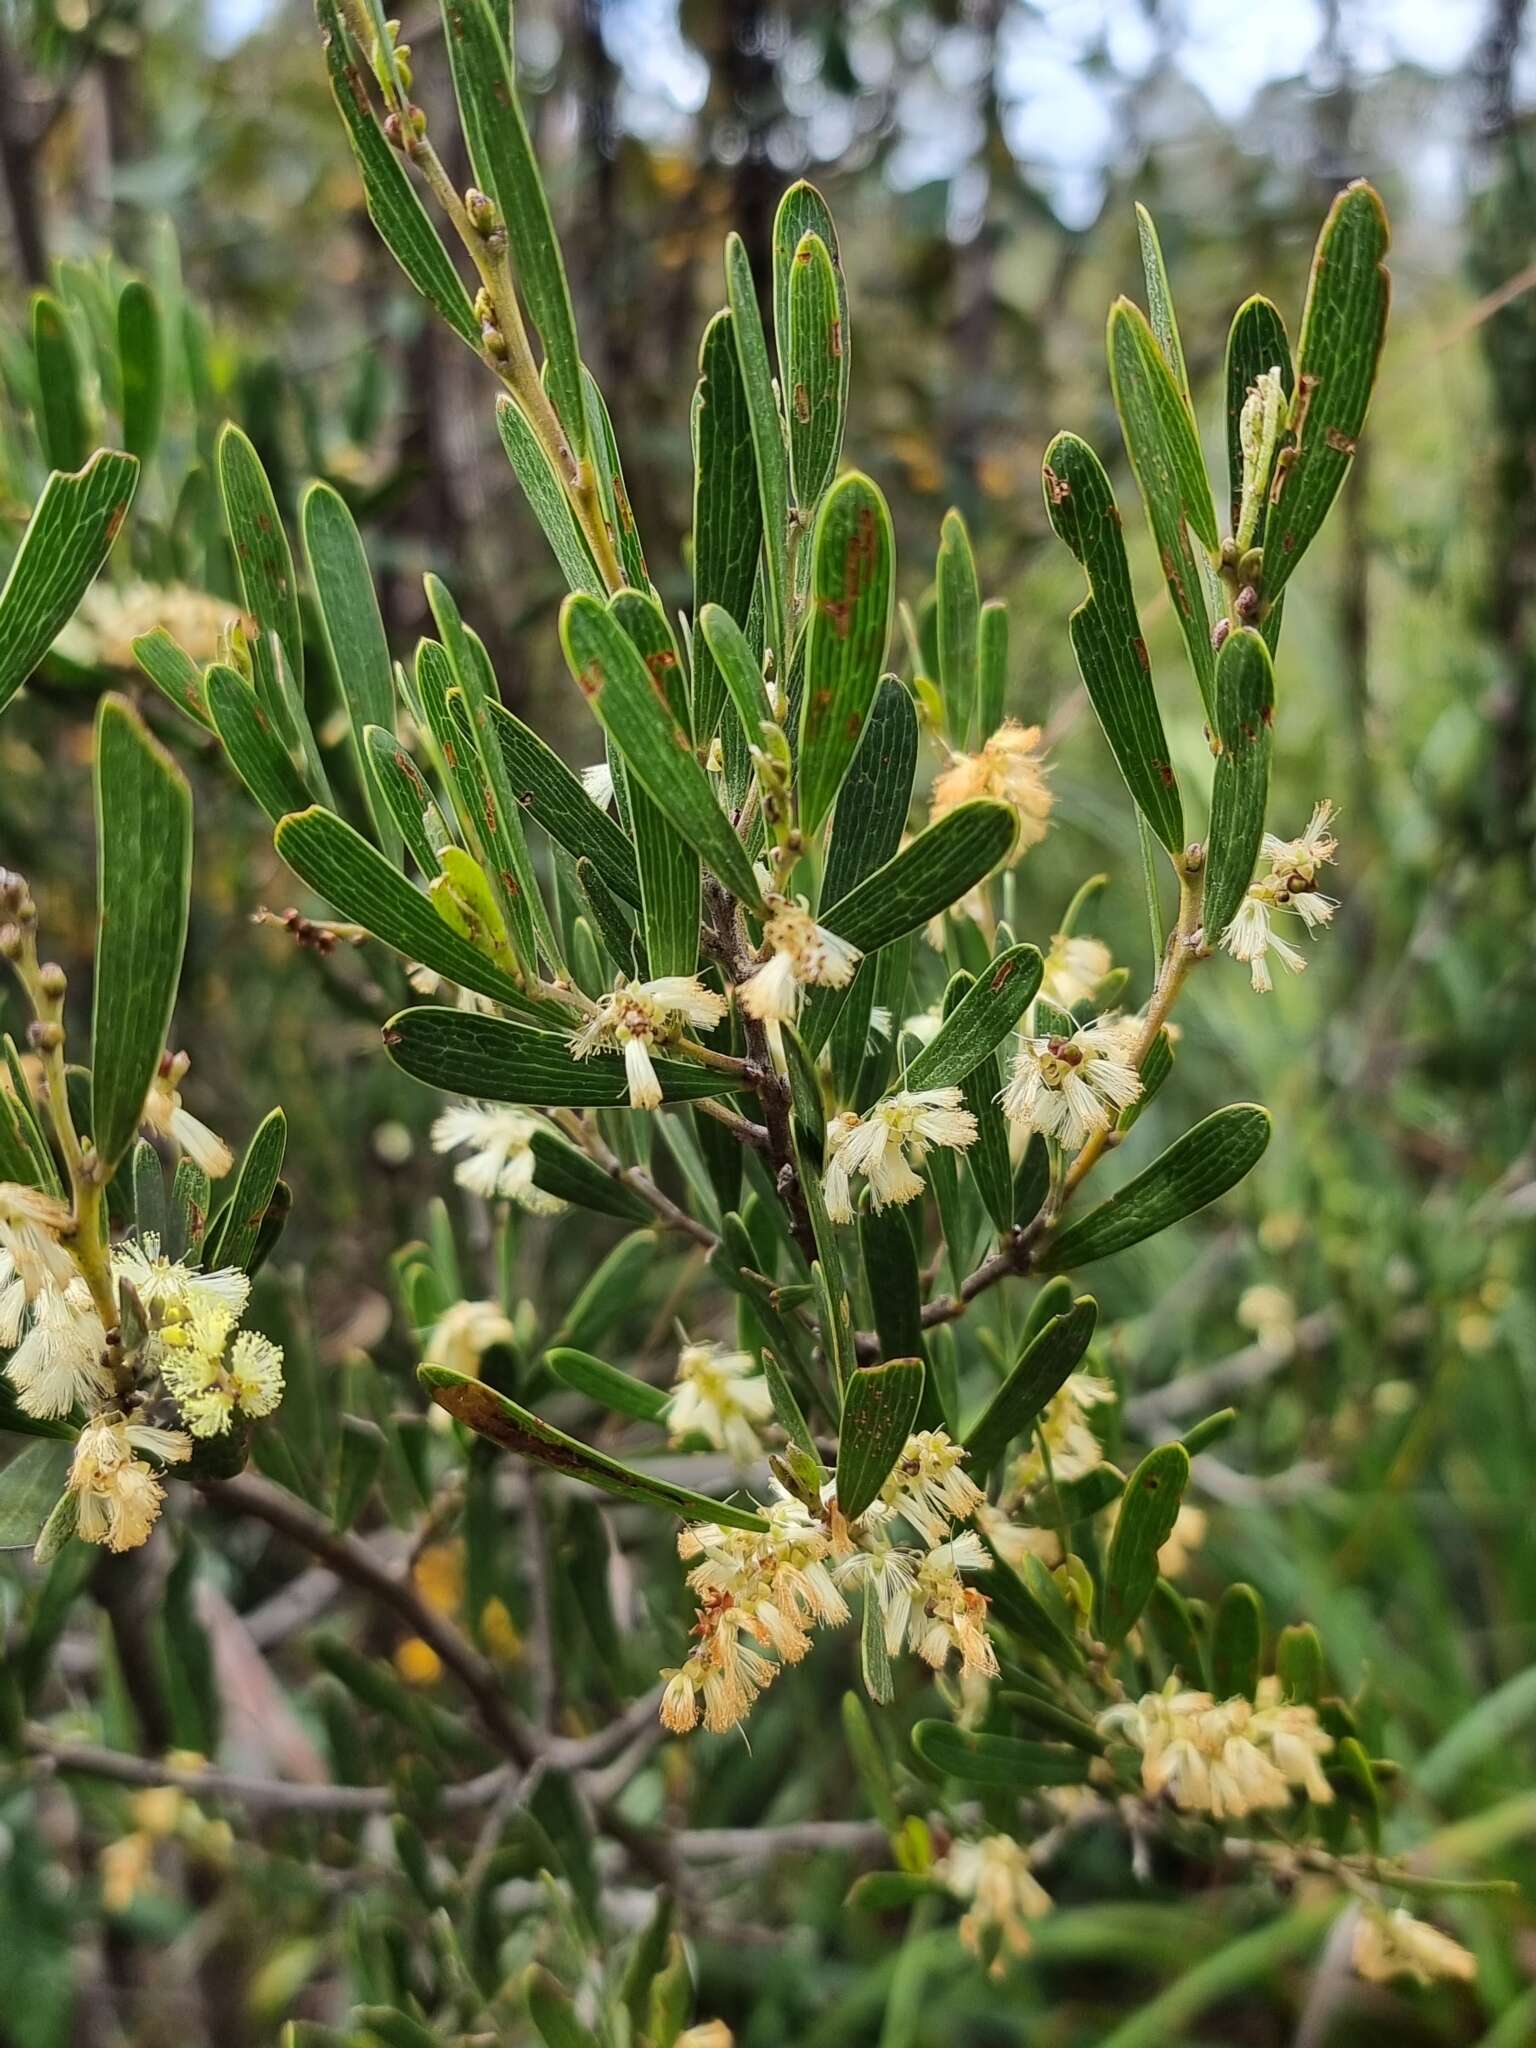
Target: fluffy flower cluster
(47,1320)
(1071,1449)
(637,1017)
(801,953)
(165,1115)
(1290,887)
(117,1492)
(1227,1758)
(498,1162)
(1009,768)
(1002,1896)
(721,1396)
(1395,1944)
(1070,1089)
(210,1366)
(760,1593)
(1074,968)
(888,1143)
(925,1604)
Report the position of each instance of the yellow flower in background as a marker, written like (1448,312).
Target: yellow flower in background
(1009,768)
(499,1163)
(464,1332)
(722,1396)
(1002,1893)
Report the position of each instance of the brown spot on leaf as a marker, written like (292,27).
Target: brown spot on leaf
(835,337)
(590,681)
(1142,655)
(1340,442)
(802,404)
(1057,488)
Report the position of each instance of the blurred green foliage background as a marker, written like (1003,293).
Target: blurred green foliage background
(1370,1297)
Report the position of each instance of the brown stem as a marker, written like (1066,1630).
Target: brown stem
(353,1561)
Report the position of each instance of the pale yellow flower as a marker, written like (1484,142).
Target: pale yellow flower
(1002,1893)
(1395,1944)
(1009,768)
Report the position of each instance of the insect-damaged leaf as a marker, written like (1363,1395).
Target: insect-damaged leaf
(1245,702)
(490,1414)
(879,1407)
(850,627)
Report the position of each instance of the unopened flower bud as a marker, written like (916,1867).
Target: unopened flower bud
(485,308)
(494,341)
(10,942)
(52,980)
(45,1036)
(482,214)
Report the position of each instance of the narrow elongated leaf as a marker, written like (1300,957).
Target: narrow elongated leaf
(234,1239)
(339,864)
(556,799)
(937,869)
(727,509)
(1030,1604)
(69,536)
(490,1414)
(263,560)
(895,1285)
(1106,633)
(403,791)
(144,879)
(635,713)
(980,1021)
(1237,1643)
(1170,471)
(992,665)
(853,551)
(553,2014)
(1160,311)
(62,425)
(174,674)
(738,667)
(1245,703)
(606,1385)
(506,168)
(872,805)
(665,858)
(1256,343)
(1003,1760)
(559,1169)
(802,212)
(1149,1507)
(547,497)
(504,1061)
(609,1292)
(255,752)
(354,634)
(393,207)
(814,387)
(772,457)
(30,1486)
(141,367)
(1193,1171)
(499,822)
(957,619)
(609,470)
(879,1408)
(1040,1372)
(1342,328)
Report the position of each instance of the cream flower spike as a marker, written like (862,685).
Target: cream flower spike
(1011,768)
(721,1396)
(164,1115)
(1395,1944)
(1070,1088)
(888,1142)
(801,953)
(59,1364)
(1074,968)
(118,1495)
(499,1163)
(1001,1893)
(641,1015)
(1289,887)
(31,1225)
